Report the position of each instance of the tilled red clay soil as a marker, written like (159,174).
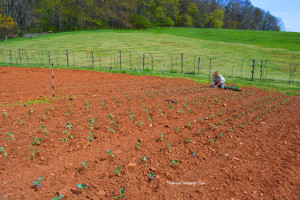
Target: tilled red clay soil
(229,145)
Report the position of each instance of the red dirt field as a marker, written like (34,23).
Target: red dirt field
(229,145)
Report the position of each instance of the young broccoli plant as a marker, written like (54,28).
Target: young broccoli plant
(151,175)
(140,124)
(103,103)
(145,160)
(169,145)
(118,171)
(92,136)
(66,141)
(82,186)
(188,139)
(37,141)
(110,153)
(5,114)
(3,150)
(33,152)
(194,153)
(138,145)
(11,136)
(122,193)
(70,107)
(84,164)
(175,162)
(88,106)
(21,122)
(131,117)
(162,137)
(38,182)
(58,198)
(91,124)
(69,126)
(27,115)
(45,129)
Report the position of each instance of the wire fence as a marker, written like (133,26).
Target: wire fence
(265,70)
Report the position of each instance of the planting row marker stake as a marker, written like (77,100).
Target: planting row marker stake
(53,80)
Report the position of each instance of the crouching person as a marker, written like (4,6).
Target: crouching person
(219,80)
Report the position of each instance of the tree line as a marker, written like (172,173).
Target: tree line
(68,15)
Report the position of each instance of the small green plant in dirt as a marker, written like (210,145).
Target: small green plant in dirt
(145,160)
(138,145)
(221,122)
(38,182)
(91,124)
(152,175)
(103,103)
(70,107)
(222,134)
(45,129)
(180,111)
(200,131)
(48,111)
(88,106)
(21,122)
(194,153)
(170,146)
(112,130)
(3,150)
(110,153)
(27,116)
(69,126)
(37,141)
(118,171)
(58,198)
(190,125)
(66,141)
(150,119)
(5,114)
(84,164)
(170,105)
(176,129)
(122,193)
(33,153)
(188,139)
(131,117)
(44,118)
(11,136)
(241,125)
(175,162)
(140,124)
(230,129)
(92,135)
(82,186)
(201,119)
(162,137)
(212,141)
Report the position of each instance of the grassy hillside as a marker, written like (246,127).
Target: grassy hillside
(231,51)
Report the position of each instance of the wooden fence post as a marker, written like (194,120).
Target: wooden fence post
(209,70)
(198,65)
(67,54)
(182,63)
(261,69)
(253,69)
(143,62)
(120,59)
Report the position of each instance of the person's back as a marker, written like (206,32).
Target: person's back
(219,80)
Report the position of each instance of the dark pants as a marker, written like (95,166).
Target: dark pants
(222,85)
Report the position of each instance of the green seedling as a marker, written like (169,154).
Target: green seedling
(69,126)
(112,130)
(200,131)
(102,102)
(48,111)
(92,136)
(88,106)
(241,125)
(169,145)
(45,129)
(31,110)
(188,139)
(118,171)
(140,124)
(44,118)
(122,192)
(5,113)
(212,115)
(111,118)
(180,111)
(190,111)
(152,175)
(3,150)
(194,153)
(162,137)
(170,105)
(66,140)
(131,117)
(138,145)
(91,124)
(150,119)
(38,182)
(221,122)
(37,141)
(27,115)
(230,129)
(213,126)
(201,119)
(11,136)
(33,152)
(190,125)
(212,141)
(110,153)
(176,129)
(58,198)
(84,164)
(175,162)
(222,134)
(21,122)
(145,160)
(83,186)
(52,108)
